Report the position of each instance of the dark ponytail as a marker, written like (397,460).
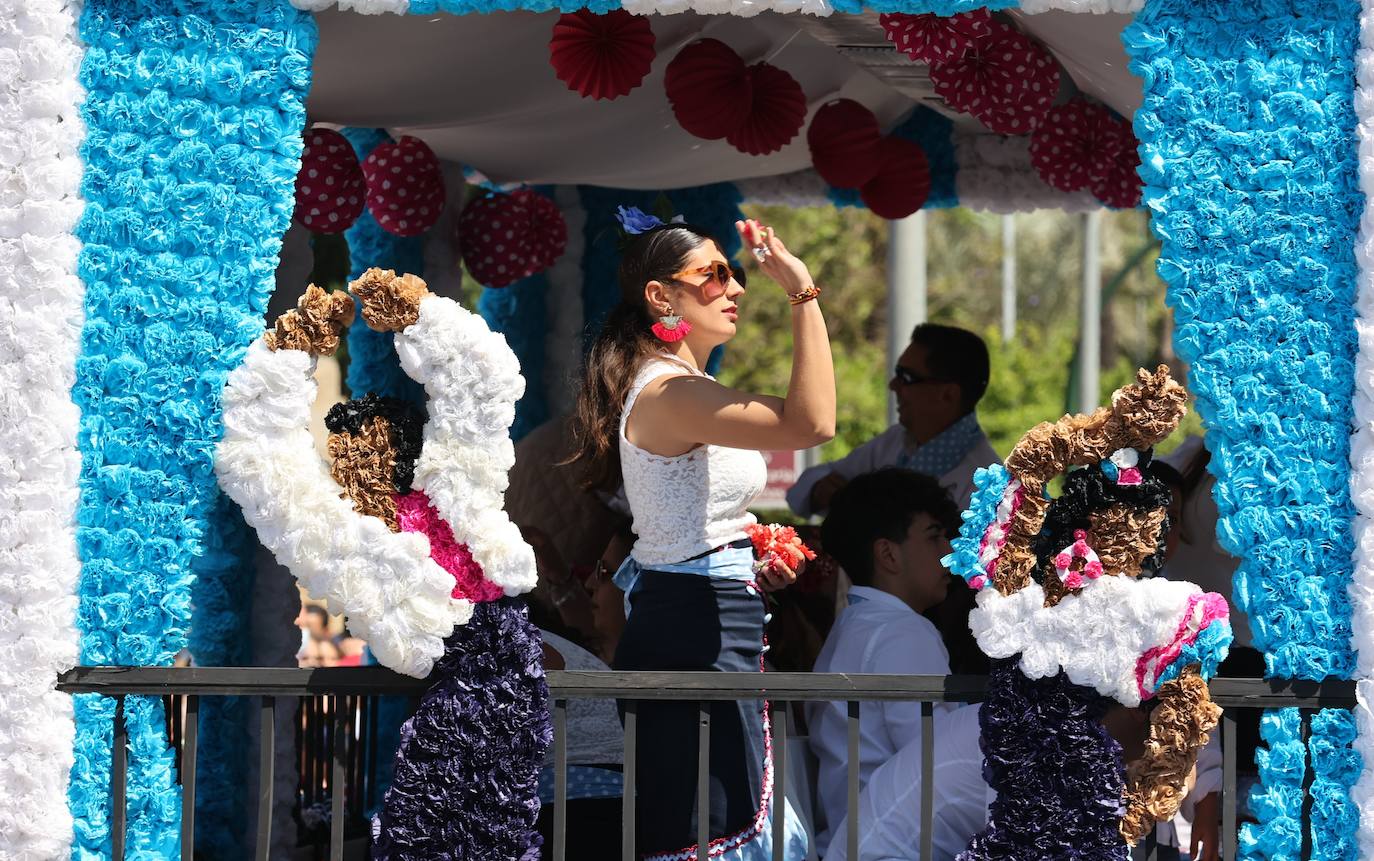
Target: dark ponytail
(619,351)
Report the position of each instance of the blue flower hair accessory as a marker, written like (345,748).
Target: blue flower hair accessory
(635,221)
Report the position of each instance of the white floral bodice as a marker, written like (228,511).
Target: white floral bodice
(686,505)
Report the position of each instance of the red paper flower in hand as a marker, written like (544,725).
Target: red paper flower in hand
(708,86)
(405,186)
(843,138)
(933,39)
(902,183)
(1006,79)
(602,56)
(329,188)
(774,545)
(776,113)
(1078,144)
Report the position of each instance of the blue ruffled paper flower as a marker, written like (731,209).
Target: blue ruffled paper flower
(1248,154)
(193,117)
(989,485)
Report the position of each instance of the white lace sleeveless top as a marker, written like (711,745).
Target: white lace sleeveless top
(686,505)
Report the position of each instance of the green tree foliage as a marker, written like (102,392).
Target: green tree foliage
(1031,376)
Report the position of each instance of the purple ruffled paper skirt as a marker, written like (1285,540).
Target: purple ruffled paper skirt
(467,771)
(1058,774)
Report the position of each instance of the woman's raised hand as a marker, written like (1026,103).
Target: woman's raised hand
(774,259)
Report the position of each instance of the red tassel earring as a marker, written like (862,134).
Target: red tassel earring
(671,328)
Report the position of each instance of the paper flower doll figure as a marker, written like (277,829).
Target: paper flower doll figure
(1073,622)
(404,533)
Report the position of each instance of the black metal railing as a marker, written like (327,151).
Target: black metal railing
(343,694)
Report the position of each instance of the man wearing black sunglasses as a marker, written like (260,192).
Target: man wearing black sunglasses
(938,382)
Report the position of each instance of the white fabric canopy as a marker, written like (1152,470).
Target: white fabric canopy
(479,89)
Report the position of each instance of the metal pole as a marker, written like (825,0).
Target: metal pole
(1008,278)
(1090,322)
(906,288)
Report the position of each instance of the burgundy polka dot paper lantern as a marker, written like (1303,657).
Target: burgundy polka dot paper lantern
(708,87)
(1077,144)
(602,56)
(505,237)
(843,138)
(405,186)
(1006,80)
(932,39)
(902,182)
(329,188)
(777,111)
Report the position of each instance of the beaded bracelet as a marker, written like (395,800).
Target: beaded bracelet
(806,294)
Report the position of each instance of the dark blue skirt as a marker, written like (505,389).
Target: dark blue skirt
(695,622)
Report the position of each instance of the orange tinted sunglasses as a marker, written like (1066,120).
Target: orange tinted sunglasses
(720,272)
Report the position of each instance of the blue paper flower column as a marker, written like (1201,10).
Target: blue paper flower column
(194,113)
(1249,158)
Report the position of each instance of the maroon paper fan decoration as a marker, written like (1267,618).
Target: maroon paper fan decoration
(602,56)
(329,188)
(933,39)
(708,86)
(1006,79)
(1119,186)
(777,110)
(1078,144)
(506,237)
(843,138)
(405,186)
(902,182)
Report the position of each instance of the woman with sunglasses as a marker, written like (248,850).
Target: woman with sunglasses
(688,452)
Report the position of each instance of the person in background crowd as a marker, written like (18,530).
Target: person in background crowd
(888,530)
(352,650)
(318,648)
(596,757)
(580,603)
(890,804)
(938,382)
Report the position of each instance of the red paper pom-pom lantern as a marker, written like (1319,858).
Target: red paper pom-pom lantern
(1077,144)
(1005,79)
(934,39)
(330,187)
(405,186)
(902,183)
(602,56)
(1119,187)
(708,86)
(776,113)
(843,138)
(506,237)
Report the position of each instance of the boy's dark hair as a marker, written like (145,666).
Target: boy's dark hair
(957,355)
(877,505)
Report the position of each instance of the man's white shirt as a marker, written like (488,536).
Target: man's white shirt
(876,633)
(890,805)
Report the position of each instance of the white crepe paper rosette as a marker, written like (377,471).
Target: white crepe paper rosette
(41,300)
(467,452)
(1095,636)
(996,175)
(394,595)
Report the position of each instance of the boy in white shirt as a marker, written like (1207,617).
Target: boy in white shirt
(888,530)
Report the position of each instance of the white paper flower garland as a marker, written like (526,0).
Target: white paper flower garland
(393,594)
(465,463)
(41,306)
(995,175)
